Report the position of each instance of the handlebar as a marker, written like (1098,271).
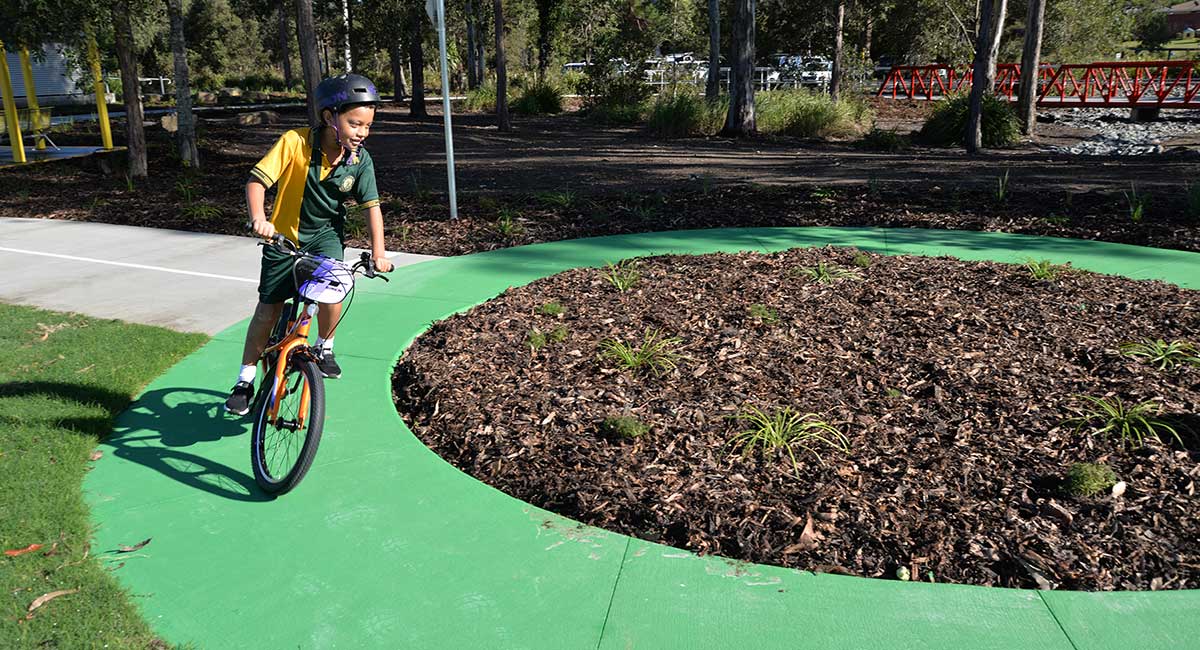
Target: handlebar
(364,265)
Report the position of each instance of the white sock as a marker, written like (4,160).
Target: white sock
(247,373)
(324,345)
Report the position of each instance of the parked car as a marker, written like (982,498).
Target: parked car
(816,72)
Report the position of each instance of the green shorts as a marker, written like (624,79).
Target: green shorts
(275,282)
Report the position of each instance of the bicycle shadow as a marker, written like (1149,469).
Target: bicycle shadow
(155,428)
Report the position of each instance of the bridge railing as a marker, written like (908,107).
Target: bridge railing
(1163,84)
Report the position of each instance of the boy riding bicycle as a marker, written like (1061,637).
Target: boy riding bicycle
(317,170)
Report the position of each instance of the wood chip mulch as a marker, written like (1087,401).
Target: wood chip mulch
(951,381)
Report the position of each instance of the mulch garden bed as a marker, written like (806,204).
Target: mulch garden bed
(952,382)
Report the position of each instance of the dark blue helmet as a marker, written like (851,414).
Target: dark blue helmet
(344,90)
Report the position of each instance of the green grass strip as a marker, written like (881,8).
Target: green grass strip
(63,379)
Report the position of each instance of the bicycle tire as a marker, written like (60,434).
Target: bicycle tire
(281,480)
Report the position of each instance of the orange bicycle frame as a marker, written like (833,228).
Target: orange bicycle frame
(297,338)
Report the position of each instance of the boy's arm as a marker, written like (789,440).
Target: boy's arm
(256,193)
(378,249)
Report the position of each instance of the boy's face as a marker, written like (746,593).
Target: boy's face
(354,125)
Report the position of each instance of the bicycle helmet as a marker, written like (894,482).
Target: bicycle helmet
(336,93)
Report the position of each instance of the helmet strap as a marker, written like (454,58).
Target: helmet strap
(337,134)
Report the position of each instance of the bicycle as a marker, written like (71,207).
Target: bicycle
(290,399)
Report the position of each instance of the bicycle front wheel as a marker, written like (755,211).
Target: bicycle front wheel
(282,446)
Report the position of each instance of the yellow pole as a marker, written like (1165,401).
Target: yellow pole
(35,113)
(10,109)
(101,107)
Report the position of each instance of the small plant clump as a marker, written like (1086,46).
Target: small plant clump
(764,314)
(888,140)
(507,225)
(1161,354)
(1137,203)
(622,275)
(862,260)
(1002,188)
(1044,270)
(552,308)
(656,353)
(947,126)
(1088,479)
(826,273)
(537,339)
(623,426)
(1107,417)
(557,199)
(785,429)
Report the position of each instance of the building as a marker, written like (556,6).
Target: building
(53,78)
(1183,15)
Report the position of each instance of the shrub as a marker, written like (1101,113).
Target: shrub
(539,98)
(623,426)
(686,115)
(810,114)
(947,126)
(886,140)
(482,99)
(618,100)
(1087,479)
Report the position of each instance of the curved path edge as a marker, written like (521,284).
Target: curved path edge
(386,545)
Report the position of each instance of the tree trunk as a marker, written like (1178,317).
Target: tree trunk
(472,71)
(997,31)
(868,27)
(502,121)
(740,120)
(285,54)
(1030,62)
(310,65)
(135,133)
(979,82)
(346,35)
(712,89)
(397,60)
(545,10)
(835,78)
(185,135)
(480,50)
(416,59)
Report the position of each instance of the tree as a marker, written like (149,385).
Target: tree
(307,38)
(1151,29)
(185,133)
(346,35)
(547,11)
(997,32)
(740,120)
(473,79)
(416,60)
(835,79)
(502,121)
(285,55)
(135,133)
(712,89)
(1030,62)
(980,82)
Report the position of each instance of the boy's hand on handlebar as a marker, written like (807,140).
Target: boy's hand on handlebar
(382,264)
(263,228)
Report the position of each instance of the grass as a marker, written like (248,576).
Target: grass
(810,114)
(886,140)
(622,275)
(1161,354)
(656,353)
(1002,188)
(1044,270)
(686,114)
(507,225)
(764,314)
(537,339)
(825,273)
(556,199)
(64,379)
(552,308)
(787,429)
(1088,479)
(200,211)
(623,426)
(1137,203)
(1109,416)
(862,260)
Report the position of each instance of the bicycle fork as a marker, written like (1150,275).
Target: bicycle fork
(298,339)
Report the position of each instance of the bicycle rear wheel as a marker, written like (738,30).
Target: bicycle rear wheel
(282,449)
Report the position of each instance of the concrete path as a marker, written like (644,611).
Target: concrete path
(186,281)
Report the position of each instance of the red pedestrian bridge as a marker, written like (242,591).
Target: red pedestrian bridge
(1122,84)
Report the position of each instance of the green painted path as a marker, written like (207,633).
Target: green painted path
(384,545)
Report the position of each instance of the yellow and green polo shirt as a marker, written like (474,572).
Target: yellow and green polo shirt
(312,193)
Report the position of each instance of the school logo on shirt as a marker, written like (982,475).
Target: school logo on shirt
(347,183)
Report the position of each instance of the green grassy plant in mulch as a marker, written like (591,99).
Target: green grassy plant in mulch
(1108,417)
(789,430)
(763,314)
(947,125)
(623,427)
(622,275)
(507,224)
(64,380)
(356,222)
(556,199)
(1162,354)
(886,140)
(1044,270)
(1088,479)
(656,353)
(1002,188)
(552,308)
(862,260)
(537,339)
(686,114)
(539,98)
(826,273)
(811,114)
(1138,202)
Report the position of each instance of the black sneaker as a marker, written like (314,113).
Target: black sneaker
(239,398)
(329,366)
